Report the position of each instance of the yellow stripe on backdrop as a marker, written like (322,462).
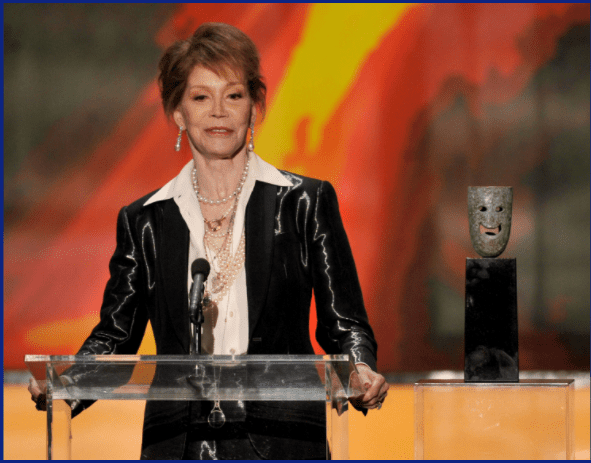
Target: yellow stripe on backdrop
(335,42)
(148,346)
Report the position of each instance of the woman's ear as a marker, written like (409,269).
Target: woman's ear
(253,115)
(178,118)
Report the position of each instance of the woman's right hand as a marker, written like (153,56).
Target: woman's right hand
(38,394)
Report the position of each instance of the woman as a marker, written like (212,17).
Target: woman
(271,238)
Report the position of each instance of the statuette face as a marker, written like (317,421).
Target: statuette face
(489,216)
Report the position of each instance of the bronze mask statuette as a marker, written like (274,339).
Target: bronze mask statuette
(489,216)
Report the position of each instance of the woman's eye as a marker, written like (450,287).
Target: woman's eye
(235,96)
(199,97)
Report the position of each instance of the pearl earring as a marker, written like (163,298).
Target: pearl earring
(251,142)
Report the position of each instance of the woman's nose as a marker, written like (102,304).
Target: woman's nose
(218,109)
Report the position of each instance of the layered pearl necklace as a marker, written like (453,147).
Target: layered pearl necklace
(217,202)
(225,265)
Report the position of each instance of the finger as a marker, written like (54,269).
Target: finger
(375,406)
(384,389)
(374,401)
(374,387)
(374,390)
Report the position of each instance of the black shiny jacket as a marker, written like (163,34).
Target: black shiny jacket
(295,244)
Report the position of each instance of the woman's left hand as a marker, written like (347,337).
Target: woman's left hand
(38,394)
(374,385)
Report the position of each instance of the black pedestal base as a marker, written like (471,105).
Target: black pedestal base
(490,331)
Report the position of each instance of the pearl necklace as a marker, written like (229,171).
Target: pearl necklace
(225,265)
(224,200)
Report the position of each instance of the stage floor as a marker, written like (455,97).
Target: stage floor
(387,434)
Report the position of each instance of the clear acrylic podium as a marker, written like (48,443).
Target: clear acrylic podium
(331,379)
(531,419)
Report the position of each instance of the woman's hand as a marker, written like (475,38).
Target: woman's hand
(374,385)
(38,394)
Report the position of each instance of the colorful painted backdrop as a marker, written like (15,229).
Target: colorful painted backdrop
(400,106)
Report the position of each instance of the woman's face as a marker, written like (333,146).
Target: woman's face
(216,113)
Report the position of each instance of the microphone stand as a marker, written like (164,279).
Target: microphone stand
(199,378)
(197,320)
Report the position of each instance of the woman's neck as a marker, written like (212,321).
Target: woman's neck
(218,178)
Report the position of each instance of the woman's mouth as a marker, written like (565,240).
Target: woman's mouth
(219,131)
(490,231)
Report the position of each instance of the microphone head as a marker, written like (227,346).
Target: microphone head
(200,266)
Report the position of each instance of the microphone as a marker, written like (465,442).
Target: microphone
(200,271)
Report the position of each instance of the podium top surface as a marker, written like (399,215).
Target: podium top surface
(200,377)
(31,360)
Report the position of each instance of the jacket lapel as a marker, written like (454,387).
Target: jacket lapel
(259,220)
(174,257)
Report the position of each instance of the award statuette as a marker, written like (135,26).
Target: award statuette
(490,330)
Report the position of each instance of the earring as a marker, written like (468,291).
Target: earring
(177,146)
(251,142)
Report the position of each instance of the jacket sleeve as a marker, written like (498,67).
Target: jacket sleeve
(123,315)
(343,326)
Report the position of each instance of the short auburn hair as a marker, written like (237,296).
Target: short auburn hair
(216,46)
